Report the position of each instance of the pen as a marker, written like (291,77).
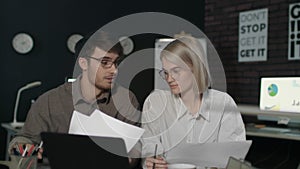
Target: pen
(15,151)
(24,153)
(30,150)
(20,148)
(153,167)
(40,146)
(37,148)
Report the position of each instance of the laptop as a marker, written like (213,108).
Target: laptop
(79,151)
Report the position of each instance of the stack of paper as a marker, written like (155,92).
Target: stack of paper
(100,124)
(209,154)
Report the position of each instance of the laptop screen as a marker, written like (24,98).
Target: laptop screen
(280,94)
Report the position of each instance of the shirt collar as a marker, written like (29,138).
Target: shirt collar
(204,109)
(104,97)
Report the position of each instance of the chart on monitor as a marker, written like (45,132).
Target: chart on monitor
(280,94)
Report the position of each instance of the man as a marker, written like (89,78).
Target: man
(93,89)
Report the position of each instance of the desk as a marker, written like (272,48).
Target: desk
(289,134)
(11,131)
(271,132)
(39,166)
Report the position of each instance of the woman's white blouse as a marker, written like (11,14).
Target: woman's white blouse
(168,123)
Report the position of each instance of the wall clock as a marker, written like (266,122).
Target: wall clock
(22,43)
(72,40)
(127,44)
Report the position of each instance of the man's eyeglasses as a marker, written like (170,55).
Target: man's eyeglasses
(106,62)
(174,73)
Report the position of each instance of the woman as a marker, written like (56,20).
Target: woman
(190,112)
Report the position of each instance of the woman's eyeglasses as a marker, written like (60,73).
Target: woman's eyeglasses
(174,73)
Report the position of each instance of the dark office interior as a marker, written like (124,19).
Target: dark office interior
(50,23)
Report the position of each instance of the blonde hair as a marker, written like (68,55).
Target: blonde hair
(189,51)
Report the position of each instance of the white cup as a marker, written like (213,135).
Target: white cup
(181,166)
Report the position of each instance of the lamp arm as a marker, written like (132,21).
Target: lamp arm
(28,86)
(17,104)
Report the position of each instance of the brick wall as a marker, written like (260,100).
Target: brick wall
(221,27)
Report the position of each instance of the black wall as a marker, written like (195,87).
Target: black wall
(50,23)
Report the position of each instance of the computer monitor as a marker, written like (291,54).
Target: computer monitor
(280,96)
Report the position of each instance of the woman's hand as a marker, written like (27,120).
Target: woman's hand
(159,163)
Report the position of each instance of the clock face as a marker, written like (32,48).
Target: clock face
(127,44)
(22,43)
(72,40)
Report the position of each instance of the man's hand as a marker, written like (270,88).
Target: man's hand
(40,153)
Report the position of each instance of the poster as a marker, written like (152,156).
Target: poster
(253,35)
(294,32)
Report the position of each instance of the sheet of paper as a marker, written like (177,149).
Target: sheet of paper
(100,124)
(209,154)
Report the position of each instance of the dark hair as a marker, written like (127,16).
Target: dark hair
(86,46)
(79,45)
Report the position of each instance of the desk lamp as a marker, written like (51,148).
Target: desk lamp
(16,124)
